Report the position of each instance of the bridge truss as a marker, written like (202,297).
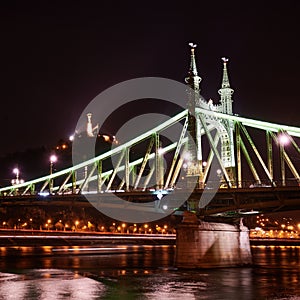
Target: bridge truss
(265,155)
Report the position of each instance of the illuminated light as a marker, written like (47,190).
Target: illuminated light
(106,138)
(71,138)
(249,212)
(44,194)
(160,151)
(283,139)
(159,195)
(53,158)
(16,171)
(187,155)
(165,207)
(89,192)
(89,249)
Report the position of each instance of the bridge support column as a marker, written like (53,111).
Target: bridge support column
(211,245)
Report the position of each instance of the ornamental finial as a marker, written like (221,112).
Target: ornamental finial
(193,74)
(225,60)
(192,45)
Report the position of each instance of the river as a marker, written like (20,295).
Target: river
(142,272)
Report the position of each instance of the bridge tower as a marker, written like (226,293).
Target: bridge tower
(194,153)
(226,108)
(195,169)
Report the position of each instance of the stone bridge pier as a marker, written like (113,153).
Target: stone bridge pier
(202,244)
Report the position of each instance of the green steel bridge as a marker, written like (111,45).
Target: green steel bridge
(219,163)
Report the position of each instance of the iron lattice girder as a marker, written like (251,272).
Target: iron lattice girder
(209,118)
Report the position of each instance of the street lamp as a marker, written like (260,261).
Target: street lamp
(283,140)
(53,159)
(17,180)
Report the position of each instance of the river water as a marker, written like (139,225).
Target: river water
(142,272)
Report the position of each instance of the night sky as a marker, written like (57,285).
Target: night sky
(56,56)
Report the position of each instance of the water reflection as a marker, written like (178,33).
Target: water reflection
(143,272)
(49,284)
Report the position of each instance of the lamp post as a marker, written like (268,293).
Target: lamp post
(283,140)
(53,159)
(16,180)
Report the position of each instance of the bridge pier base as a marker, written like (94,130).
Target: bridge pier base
(211,245)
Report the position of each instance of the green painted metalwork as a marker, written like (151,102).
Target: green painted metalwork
(202,119)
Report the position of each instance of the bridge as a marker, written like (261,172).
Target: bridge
(220,163)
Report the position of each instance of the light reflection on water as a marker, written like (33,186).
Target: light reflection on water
(49,284)
(143,272)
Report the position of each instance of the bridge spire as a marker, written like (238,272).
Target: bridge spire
(194,170)
(226,107)
(193,80)
(226,91)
